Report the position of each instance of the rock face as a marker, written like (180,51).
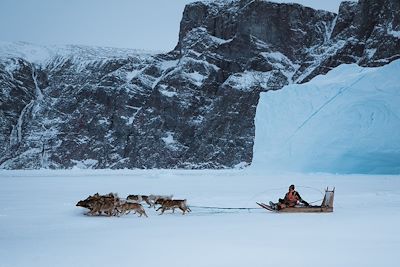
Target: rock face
(193,107)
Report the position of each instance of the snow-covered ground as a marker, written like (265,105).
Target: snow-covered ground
(40,225)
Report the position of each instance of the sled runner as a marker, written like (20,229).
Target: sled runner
(326,205)
(266,206)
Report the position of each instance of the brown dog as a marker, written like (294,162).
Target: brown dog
(97,204)
(158,200)
(154,198)
(173,204)
(88,201)
(126,207)
(105,205)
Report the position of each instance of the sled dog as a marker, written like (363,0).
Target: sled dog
(125,208)
(173,204)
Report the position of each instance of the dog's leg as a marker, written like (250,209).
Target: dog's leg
(93,211)
(142,212)
(162,210)
(183,210)
(117,212)
(152,204)
(109,212)
(187,209)
(148,202)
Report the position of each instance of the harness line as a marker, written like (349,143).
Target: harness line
(222,208)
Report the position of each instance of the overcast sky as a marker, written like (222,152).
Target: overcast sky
(141,24)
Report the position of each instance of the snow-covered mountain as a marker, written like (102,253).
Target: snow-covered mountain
(347,121)
(193,107)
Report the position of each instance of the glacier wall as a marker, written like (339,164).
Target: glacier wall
(347,121)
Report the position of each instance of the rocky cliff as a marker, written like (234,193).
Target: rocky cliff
(193,107)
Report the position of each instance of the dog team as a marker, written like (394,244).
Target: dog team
(112,205)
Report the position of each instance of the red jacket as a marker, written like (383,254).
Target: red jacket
(291,198)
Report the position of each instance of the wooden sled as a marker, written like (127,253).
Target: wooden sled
(326,205)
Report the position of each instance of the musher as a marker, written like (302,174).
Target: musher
(291,199)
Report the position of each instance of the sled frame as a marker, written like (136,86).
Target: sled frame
(326,205)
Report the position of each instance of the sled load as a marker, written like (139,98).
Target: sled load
(326,205)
